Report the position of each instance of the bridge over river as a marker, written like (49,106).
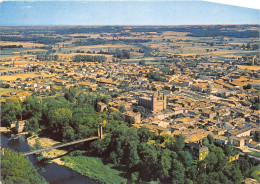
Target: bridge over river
(100,135)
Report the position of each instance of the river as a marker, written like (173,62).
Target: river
(53,173)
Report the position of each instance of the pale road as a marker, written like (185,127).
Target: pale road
(250,156)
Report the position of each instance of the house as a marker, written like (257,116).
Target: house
(228,126)
(12,124)
(241,133)
(221,139)
(198,151)
(135,115)
(101,106)
(253,144)
(238,141)
(19,127)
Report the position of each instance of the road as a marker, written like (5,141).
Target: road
(250,156)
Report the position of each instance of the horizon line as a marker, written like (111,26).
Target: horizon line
(130,25)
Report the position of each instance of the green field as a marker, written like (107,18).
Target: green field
(93,168)
(4,91)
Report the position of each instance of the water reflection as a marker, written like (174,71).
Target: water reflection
(53,173)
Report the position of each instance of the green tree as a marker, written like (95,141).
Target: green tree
(165,164)
(11,111)
(216,159)
(234,173)
(68,133)
(140,109)
(149,165)
(15,168)
(176,144)
(210,139)
(244,166)
(121,108)
(32,125)
(59,118)
(177,174)
(32,107)
(144,134)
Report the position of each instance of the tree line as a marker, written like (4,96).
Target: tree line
(146,157)
(89,58)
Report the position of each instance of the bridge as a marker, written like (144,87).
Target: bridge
(100,135)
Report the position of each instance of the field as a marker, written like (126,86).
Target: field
(24,44)
(6,91)
(93,167)
(22,76)
(148,60)
(255,68)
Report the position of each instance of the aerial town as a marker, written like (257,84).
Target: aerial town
(171,80)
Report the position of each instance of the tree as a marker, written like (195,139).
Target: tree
(81,98)
(165,164)
(191,172)
(32,107)
(68,133)
(177,174)
(234,173)
(216,159)
(12,172)
(132,154)
(149,165)
(176,144)
(205,141)
(69,96)
(59,118)
(144,134)
(257,136)
(244,166)
(140,109)
(186,158)
(121,108)
(11,111)
(100,146)
(32,125)
(210,139)
(202,178)
(142,62)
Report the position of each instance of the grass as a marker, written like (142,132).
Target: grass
(22,76)
(4,91)
(255,172)
(93,167)
(248,67)
(24,44)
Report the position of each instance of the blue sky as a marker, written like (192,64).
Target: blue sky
(14,13)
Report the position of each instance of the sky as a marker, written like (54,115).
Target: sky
(24,13)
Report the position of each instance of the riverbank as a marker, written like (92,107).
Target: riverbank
(44,142)
(91,167)
(5,130)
